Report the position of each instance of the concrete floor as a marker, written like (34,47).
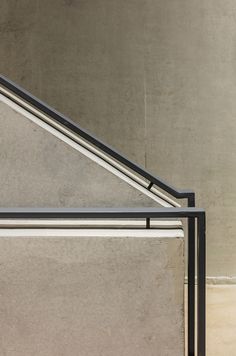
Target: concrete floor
(221,320)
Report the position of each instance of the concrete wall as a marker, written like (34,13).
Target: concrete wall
(71,294)
(156,79)
(41,170)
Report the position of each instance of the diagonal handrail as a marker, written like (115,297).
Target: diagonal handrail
(68,123)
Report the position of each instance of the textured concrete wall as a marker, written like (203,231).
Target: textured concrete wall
(91,293)
(191,109)
(41,170)
(84,58)
(153,78)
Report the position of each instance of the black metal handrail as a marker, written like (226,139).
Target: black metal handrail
(178,194)
(86,213)
(65,121)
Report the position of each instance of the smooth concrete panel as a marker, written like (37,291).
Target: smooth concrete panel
(221,320)
(191,110)
(91,294)
(83,57)
(40,170)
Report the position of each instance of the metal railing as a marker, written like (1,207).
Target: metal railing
(190,213)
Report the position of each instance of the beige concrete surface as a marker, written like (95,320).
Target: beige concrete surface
(90,293)
(156,79)
(221,320)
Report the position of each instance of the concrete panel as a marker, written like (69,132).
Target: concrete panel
(91,292)
(85,58)
(41,170)
(191,109)
(221,321)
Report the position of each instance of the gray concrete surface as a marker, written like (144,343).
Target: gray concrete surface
(156,79)
(191,109)
(41,170)
(91,293)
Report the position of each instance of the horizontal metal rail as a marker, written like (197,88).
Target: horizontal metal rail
(74,213)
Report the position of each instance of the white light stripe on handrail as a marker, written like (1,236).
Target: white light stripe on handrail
(83,150)
(95,223)
(155,192)
(96,233)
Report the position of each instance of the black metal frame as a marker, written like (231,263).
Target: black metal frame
(189,213)
(146,213)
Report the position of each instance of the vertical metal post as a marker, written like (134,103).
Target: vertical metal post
(201,285)
(191,280)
